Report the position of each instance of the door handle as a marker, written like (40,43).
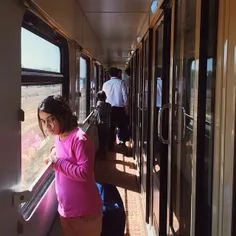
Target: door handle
(139,100)
(160,114)
(184,123)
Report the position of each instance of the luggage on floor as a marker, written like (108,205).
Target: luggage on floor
(113,211)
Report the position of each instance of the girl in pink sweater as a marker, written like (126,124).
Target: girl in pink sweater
(79,202)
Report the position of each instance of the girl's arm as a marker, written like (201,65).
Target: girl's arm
(82,170)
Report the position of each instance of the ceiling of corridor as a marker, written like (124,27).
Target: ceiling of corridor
(117,24)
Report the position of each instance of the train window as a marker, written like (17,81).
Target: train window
(100,77)
(83,90)
(209,88)
(45,72)
(93,88)
(190,96)
(182,152)
(95,74)
(46,56)
(190,89)
(34,146)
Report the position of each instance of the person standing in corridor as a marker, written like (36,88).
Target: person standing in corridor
(72,158)
(116,92)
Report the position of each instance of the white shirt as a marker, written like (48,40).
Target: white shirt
(116,92)
(159,92)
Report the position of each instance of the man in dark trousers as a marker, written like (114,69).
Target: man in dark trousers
(116,92)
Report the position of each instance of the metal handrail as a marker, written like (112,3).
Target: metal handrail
(89,116)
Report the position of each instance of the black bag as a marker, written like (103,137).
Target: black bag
(113,211)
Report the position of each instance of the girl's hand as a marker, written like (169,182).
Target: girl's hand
(52,157)
(47,160)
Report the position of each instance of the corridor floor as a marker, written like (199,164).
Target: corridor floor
(120,170)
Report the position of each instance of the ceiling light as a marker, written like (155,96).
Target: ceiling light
(139,39)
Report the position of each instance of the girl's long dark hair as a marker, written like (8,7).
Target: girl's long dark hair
(58,107)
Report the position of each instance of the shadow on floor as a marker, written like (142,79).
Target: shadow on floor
(122,149)
(117,170)
(120,170)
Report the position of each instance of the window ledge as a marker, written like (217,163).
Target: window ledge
(28,208)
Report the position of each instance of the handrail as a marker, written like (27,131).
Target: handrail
(89,116)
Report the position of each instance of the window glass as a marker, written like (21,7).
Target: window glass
(184,69)
(209,87)
(100,78)
(34,147)
(46,56)
(83,90)
(145,97)
(210,78)
(190,100)
(207,156)
(93,86)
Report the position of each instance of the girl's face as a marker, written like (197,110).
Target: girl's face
(49,123)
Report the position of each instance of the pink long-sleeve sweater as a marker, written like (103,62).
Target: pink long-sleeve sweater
(76,189)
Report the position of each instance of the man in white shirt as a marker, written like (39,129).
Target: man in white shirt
(116,92)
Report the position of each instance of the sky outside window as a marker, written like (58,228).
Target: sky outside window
(39,54)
